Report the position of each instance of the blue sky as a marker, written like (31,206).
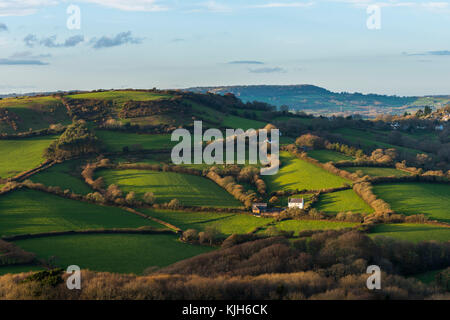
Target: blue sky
(177,44)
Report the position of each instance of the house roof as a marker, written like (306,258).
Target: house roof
(260,205)
(296,200)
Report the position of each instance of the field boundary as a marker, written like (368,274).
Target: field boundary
(147,230)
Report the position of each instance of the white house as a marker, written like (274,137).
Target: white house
(298,203)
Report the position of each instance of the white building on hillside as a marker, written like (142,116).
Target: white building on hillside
(297,203)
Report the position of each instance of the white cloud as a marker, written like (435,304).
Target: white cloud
(27,7)
(283,5)
(131,5)
(23,7)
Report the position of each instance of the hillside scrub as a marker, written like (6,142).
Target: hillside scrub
(327,265)
(77,140)
(11,254)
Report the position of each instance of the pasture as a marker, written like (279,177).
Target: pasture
(226,223)
(328,155)
(299,174)
(20,155)
(377,171)
(430,199)
(18,269)
(371,139)
(120,96)
(66,175)
(412,232)
(235,122)
(33,113)
(119,253)
(114,141)
(29,211)
(302,225)
(342,201)
(190,190)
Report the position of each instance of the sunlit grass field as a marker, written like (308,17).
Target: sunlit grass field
(299,174)
(34,113)
(20,155)
(430,199)
(328,155)
(226,223)
(190,190)
(65,175)
(120,96)
(120,253)
(302,225)
(29,211)
(378,172)
(114,141)
(342,201)
(412,232)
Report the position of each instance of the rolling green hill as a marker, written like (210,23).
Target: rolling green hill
(30,211)
(122,253)
(299,174)
(190,190)
(20,155)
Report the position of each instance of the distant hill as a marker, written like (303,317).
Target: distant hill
(319,101)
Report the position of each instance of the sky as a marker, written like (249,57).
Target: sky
(387,47)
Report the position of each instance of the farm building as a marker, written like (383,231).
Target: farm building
(258,208)
(297,203)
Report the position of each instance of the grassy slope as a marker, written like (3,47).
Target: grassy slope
(328,155)
(378,172)
(227,223)
(22,154)
(124,253)
(120,96)
(301,225)
(236,122)
(18,269)
(34,112)
(431,199)
(368,139)
(29,211)
(114,141)
(65,175)
(342,201)
(189,189)
(412,232)
(299,174)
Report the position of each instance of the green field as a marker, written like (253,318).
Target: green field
(371,139)
(22,154)
(190,190)
(342,201)
(378,172)
(29,211)
(299,174)
(328,155)
(114,141)
(412,232)
(121,253)
(235,122)
(120,96)
(34,113)
(18,269)
(301,225)
(226,223)
(430,199)
(65,175)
